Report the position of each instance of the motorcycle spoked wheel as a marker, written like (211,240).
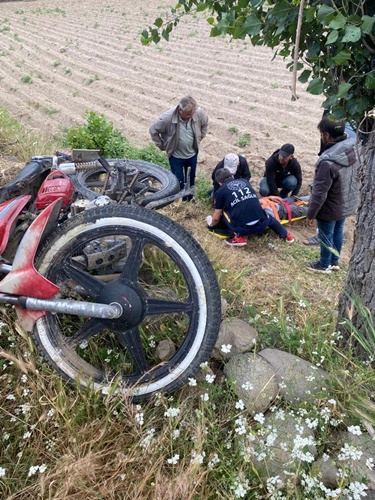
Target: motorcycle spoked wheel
(159,181)
(162,278)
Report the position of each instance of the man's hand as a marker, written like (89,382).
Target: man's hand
(275,199)
(310,222)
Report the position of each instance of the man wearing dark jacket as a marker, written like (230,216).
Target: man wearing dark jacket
(237,166)
(283,171)
(335,192)
(237,206)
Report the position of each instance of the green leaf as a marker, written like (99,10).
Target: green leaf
(367,24)
(281,10)
(343,89)
(315,86)
(342,58)
(324,14)
(284,52)
(332,37)
(201,7)
(165,35)
(304,76)
(338,22)
(211,20)
(370,80)
(310,14)
(352,34)
(158,22)
(252,25)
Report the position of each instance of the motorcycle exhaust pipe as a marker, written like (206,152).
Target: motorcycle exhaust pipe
(74,307)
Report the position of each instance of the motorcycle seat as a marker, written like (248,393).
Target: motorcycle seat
(28,179)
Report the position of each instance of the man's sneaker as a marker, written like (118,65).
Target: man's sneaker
(317,268)
(237,241)
(334,267)
(289,238)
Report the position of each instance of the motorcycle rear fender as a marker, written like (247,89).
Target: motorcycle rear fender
(9,211)
(24,279)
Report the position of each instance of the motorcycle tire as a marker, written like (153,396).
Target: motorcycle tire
(160,275)
(160,181)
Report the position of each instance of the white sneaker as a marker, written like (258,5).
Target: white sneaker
(209,220)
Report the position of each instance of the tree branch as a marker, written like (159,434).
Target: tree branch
(296,48)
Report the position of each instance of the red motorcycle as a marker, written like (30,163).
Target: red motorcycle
(113,293)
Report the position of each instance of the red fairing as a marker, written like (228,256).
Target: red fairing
(9,211)
(56,185)
(24,279)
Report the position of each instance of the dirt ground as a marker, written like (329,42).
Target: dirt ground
(59,59)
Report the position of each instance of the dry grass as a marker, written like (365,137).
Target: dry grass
(264,271)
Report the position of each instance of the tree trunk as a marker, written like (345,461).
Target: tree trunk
(358,297)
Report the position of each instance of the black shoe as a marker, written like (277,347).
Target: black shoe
(316,267)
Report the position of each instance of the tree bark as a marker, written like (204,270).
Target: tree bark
(359,290)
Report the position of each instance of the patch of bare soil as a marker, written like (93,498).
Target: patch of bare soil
(60,59)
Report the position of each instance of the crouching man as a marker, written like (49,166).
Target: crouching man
(237,205)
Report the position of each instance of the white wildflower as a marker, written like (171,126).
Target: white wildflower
(210,378)
(197,458)
(173,460)
(2,471)
(226,348)
(247,386)
(139,418)
(172,412)
(213,461)
(192,382)
(205,396)
(259,417)
(240,405)
(357,490)
(355,429)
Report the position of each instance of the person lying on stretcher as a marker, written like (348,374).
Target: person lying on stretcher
(285,209)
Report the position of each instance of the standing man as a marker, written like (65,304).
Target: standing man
(335,192)
(282,171)
(179,132)
(237,205)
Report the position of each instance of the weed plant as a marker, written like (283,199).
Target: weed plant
(244,140)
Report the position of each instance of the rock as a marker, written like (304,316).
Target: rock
(298,379)
(254,381)
(165,349)
(327,471)
(285,442)
(358,468)
(236,333)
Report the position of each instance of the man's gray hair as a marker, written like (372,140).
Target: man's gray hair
(187,103)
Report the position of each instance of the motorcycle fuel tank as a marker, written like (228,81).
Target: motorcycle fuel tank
(56,185)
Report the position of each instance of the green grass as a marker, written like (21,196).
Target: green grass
(26,79)
(244,140)
(91,79)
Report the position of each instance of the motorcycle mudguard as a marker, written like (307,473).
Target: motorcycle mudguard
(24,279)
(9,210)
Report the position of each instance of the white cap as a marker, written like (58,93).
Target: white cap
(231,162)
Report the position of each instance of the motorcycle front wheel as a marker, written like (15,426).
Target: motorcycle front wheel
(164,283)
